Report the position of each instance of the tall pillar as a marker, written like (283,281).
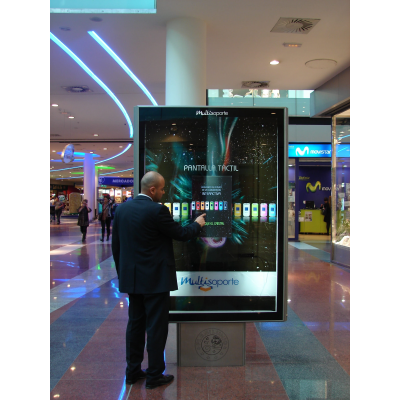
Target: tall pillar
(185,74)
(96,185)
(88,182)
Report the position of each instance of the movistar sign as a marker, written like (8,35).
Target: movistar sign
(309,150)
(317,150)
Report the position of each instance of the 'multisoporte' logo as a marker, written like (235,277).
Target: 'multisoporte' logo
(215,113)
(206,284)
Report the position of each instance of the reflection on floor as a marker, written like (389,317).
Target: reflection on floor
(306,357)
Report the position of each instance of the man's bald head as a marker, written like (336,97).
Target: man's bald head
(152,184)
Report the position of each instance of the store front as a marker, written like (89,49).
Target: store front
(341,188)
(119,189)
(309,185)
(69,194)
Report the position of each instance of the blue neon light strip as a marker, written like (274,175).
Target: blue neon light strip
(98,162)
(93,76)
(64,169)
(104,45)
(79,154)
(124,170)
(122,152)
(111,94)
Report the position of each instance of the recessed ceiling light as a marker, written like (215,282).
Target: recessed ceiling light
(71,116)
(121,147)
(53,151)
(91,152)
(105,148)
(54,105)
(274,62)
(95,134)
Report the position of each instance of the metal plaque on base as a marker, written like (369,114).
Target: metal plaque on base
(216,344)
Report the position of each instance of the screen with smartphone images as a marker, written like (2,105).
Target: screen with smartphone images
(228,164)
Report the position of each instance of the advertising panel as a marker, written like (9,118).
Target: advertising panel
(231,165)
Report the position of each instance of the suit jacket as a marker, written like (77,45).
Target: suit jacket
(142,246)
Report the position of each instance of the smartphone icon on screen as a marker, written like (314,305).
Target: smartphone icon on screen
(193,205)
(238,210)
(225,206)
(246,209)
(175,208)
(202,205)
(216,206)
(197,205)
(207,205)
(168,205)
(185,209)
(211,205)
(254,210)
(263,211)
(221,205)
(272,210)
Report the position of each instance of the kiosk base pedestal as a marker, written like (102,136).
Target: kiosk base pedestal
(209,344)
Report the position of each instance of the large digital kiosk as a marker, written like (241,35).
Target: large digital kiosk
(230,163)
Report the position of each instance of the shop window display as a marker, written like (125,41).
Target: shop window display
(341,188)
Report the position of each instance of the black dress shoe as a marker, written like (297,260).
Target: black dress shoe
(134,379)
(165,379)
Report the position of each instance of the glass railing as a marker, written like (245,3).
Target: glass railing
(297,101)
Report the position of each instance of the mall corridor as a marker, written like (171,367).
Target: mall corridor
(306,357)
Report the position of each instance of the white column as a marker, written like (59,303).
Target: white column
(96,185)
(185,74)
(88,182)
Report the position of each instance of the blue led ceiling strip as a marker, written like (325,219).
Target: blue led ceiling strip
(104,45)
(117,172)
(108,91)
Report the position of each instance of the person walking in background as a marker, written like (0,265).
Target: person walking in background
(131,197)
(59,206)
(105,217)
(326,211)
(52,210)
(144,259)
(83,218)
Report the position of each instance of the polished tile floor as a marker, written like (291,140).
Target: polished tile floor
(306,357)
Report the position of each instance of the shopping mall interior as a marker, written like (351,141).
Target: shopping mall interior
(106,61)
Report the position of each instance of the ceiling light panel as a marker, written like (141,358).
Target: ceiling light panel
(103,7)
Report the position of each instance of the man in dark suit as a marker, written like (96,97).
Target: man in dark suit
(142,249)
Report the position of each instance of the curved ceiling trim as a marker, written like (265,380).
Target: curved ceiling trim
(108,49)
(103,85)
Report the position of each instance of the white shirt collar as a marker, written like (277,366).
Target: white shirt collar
(142,194)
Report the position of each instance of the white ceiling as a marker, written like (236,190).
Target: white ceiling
(239,47)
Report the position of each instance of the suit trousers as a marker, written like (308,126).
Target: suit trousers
(147,313)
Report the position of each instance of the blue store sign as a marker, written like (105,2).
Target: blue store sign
(317,150)
(115,181)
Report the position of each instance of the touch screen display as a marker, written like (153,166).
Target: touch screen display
(225,165)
